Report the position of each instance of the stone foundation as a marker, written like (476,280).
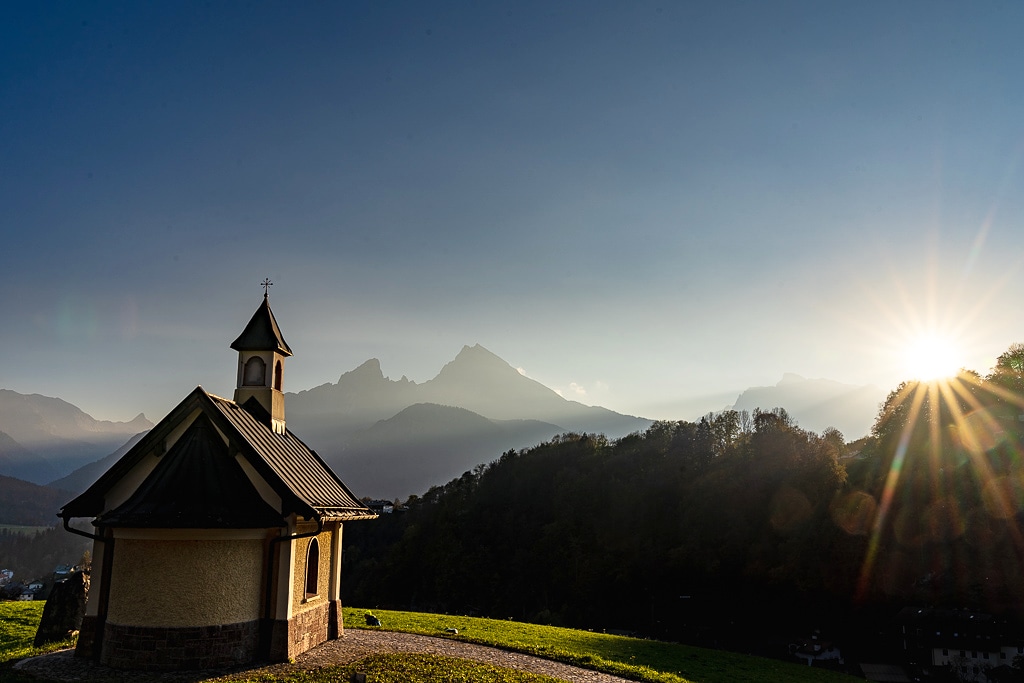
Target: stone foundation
(304,631)
(166,648)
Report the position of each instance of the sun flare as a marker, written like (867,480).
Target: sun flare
(931,357)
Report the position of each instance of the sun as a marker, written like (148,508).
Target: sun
(930,357)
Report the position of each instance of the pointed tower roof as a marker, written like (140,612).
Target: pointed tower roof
(262,333)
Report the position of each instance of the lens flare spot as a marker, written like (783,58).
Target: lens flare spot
(980,532)
(854,513)
(895,572)
(76,319)
(790,508)
(978,432)
(1003,497)
(910,528)
(944,520)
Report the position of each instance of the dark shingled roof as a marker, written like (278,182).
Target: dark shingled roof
(306,484)
(197,485)
(307,477)
(262,333)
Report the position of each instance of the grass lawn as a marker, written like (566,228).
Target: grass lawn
(641,660)
(18,623)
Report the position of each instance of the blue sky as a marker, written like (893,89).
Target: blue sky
(647,206)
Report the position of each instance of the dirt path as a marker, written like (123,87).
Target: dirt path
(355,645)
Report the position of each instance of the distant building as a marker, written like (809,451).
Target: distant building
(218,535)
(974,645)
(814,648)
(381,507)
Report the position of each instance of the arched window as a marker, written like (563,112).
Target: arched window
(255,374)
(277,375)
(312,568)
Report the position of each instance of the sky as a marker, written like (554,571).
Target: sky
(645,206)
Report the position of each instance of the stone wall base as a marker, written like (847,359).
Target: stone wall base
(304,631)
(149,648)
(166,649)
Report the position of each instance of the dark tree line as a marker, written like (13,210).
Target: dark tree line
(712,530)
(34,555)
(643,533)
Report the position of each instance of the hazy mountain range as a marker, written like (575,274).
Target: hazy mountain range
(392,438)
(43,438)
(817,404)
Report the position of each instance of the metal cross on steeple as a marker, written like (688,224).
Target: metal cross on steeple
(267,284)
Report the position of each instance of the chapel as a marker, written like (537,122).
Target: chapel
(218,535)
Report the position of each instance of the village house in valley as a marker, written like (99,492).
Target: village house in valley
(218,536)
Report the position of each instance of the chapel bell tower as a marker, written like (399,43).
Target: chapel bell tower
(261,353)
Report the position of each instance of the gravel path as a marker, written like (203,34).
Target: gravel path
(355,645)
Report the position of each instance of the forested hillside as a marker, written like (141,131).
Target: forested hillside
(25,503)
(726,528)
(34,555)
(586,532)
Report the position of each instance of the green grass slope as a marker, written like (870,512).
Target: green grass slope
(18,624)
(641,660)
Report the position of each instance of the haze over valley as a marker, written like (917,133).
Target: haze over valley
(393,438)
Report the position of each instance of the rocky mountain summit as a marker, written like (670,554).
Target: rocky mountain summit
(391,438)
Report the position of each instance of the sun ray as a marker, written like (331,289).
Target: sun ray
(1004,507)
(888,492)
(958,416)
(955,403)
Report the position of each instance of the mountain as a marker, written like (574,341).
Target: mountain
(427,444)
(82,478)
(52,437)
(360,398)
(817,404)
(28,504)
(482,382)
(13,456)
(366,418)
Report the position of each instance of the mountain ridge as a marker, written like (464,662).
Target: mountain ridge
(428,444)
(475,379)
(511,411)
(476,407)
(54,437)
(818,403)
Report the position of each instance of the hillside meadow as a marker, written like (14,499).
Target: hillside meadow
(633,658)
(641,660)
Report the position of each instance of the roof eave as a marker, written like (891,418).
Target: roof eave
(90,502)
(346,515)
